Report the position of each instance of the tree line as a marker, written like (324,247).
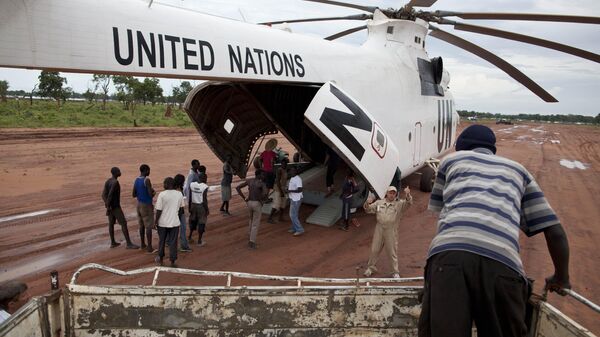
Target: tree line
(129,90)
(533,117)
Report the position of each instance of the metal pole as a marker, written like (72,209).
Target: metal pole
(155,280)
(583,300)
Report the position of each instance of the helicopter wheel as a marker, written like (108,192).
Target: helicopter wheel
(427,179)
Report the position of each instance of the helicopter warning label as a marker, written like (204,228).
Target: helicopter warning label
(156,50)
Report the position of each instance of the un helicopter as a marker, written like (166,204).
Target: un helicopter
(384,107)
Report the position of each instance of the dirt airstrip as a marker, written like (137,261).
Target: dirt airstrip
(52,217)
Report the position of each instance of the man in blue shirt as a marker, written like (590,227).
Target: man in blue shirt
(143,192)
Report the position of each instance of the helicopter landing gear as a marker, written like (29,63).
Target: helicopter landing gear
(428,175)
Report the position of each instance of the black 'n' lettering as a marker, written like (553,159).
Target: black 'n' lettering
(335,120)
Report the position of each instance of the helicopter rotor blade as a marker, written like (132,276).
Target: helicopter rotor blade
(370,9)
(349,17)
(420,3)
(493,59)
(345,32)
(523,38)
(521,16)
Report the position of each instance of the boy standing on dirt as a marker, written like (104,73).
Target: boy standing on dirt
(191,175)
(143,192)
(183,242)
(349,187)
(295,193)
(169,206)
(278,195)
(111,194)
(257,193)
(198,208)
(226,185)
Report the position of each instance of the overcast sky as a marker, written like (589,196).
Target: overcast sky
(476,84)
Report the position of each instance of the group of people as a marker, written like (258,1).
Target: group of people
(473,273)
(167,215)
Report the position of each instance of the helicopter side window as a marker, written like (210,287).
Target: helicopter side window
(390,29)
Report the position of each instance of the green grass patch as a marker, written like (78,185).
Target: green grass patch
(46,114)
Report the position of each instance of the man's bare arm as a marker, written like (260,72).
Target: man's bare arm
(558,246)
(239,187)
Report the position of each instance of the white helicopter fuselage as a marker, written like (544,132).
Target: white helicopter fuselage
(383,76)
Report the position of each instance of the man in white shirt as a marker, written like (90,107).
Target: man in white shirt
(169,205)
(295,195)
(198,208)
(190,178)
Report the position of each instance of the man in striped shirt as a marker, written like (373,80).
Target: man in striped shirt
(474,271)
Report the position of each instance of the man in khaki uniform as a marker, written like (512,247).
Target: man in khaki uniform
(388,211)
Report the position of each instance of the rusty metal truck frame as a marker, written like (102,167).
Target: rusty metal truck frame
(306,306)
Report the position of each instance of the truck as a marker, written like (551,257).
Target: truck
(244,304)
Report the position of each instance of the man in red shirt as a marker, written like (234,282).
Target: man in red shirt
(267,159)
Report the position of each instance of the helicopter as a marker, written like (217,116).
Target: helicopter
(384,107)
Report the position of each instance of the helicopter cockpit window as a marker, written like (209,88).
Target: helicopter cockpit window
(228,126)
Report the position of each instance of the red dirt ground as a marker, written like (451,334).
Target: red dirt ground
(64,170)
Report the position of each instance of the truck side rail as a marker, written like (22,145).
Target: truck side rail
(583,300)
(299,280)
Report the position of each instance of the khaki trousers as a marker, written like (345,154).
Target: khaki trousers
(255,208)
(384,237)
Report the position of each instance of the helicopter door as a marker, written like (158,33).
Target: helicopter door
(417,144)
(355,135)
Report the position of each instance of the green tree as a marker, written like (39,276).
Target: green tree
(150,91)
(51,86)
(66,93)
(102,83)
(129,92)
(127,87)
(181,92)
(3,90)
(89,95)
(597,119)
